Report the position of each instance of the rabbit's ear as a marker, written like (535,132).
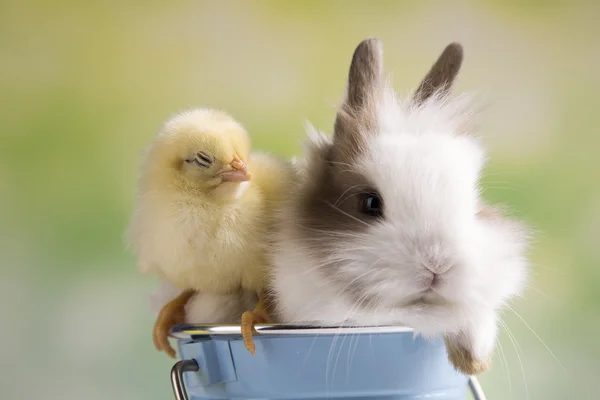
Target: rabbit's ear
(357,114)
(365,74)
(440,77)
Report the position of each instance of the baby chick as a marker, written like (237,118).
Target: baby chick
(202,221)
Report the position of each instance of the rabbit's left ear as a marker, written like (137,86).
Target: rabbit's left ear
(440,77)
(356,117)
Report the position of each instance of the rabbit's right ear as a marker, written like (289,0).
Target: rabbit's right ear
(440,77)
(358,114)
(365,75)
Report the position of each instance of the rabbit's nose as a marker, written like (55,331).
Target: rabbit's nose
(437,265)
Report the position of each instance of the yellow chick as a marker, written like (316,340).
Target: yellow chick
(202,221)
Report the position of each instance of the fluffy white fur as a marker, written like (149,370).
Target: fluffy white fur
(220,308)
(426,168)
(164,293)
(217,308)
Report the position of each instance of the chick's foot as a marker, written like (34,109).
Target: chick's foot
(172,313)
(249,318)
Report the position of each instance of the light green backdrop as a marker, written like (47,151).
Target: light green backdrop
(85,85)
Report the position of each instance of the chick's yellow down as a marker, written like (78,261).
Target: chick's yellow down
(205,209)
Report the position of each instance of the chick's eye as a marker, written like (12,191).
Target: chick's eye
(371,204)
(201,159)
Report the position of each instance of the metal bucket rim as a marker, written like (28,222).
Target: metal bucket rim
(191,331)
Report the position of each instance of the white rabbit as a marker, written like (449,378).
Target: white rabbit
(387,226)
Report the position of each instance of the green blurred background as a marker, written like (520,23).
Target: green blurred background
(84,86)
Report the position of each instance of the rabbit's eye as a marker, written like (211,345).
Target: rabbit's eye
(371,204)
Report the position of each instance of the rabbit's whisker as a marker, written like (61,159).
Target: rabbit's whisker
(348,215)
(518,353)
(504,363)
(537,336)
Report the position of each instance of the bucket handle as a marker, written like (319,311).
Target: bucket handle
(475,387)
(192,366)
(177,377)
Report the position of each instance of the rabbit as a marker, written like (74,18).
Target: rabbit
(387,227)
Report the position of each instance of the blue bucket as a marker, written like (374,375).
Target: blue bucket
(299,362)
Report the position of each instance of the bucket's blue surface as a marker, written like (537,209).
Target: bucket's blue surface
(321,366)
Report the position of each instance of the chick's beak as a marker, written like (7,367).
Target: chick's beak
(236,171)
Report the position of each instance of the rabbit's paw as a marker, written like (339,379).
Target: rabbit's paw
(471,350)
(464,360)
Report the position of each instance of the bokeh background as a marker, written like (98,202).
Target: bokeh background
(85,85)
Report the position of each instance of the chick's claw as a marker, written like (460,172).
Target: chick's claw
(249,318)
(172,313)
